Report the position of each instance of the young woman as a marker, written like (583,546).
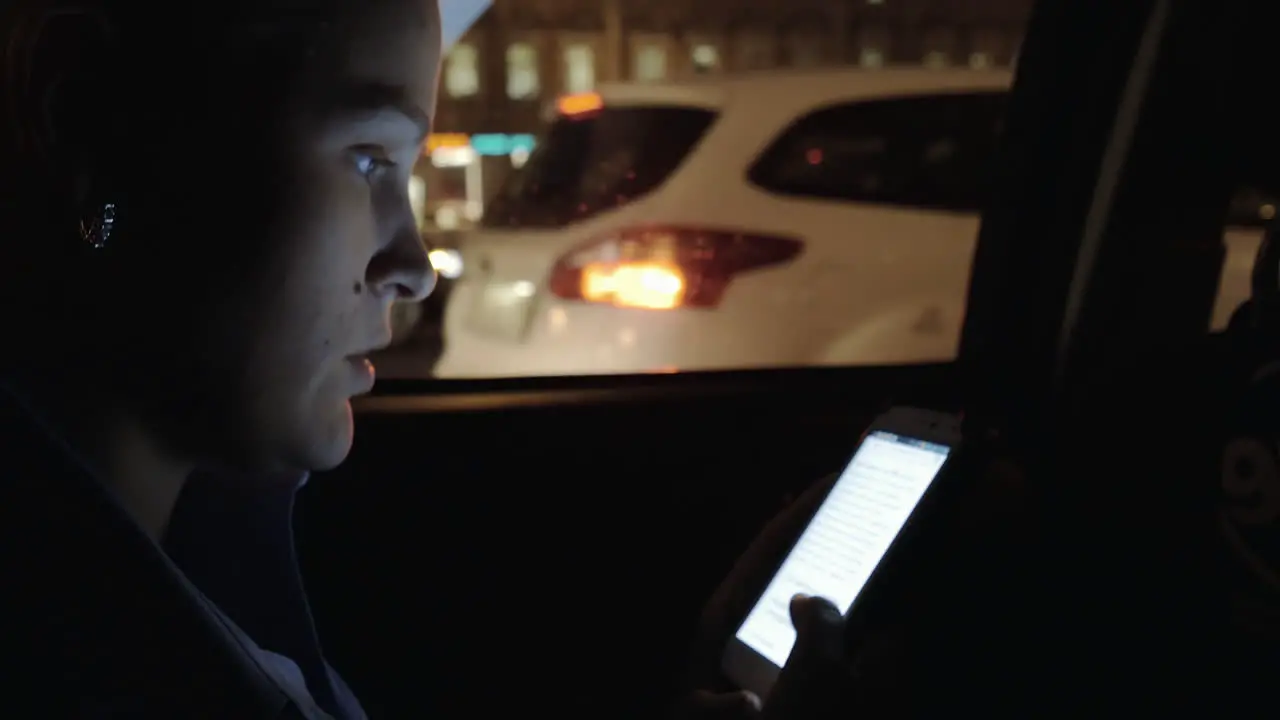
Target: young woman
(204,220)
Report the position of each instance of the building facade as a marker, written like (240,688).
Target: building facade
(497,80)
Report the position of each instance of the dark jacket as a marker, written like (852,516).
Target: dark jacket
(100,622)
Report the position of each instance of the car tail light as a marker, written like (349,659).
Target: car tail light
(665,268)
(579,104)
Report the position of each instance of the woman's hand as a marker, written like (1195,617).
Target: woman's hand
(812,685)
(733,599)
(819,679)
(731,602)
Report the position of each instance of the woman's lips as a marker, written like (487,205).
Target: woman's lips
(363,373)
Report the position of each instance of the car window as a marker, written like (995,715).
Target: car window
(586,164)
(830,219)
(921,152)
(820,230)
(1252,209)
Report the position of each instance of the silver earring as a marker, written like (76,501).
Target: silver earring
(96,230)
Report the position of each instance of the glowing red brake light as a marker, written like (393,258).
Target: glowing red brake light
(665,268)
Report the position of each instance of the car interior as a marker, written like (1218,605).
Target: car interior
(501,544)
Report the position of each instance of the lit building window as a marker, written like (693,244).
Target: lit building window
(706,58)
(988,47)
(579,68)
(873,43)
(446,217)
(462,71)
(522,72)
(805,50)
(649,63)
(940,44)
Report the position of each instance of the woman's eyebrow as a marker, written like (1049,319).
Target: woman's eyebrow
(373,98)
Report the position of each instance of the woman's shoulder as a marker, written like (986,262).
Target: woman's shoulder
(91,606)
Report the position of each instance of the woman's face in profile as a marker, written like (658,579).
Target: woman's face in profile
(311,296)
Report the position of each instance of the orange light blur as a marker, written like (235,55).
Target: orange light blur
(650,286)
(580,103)
(435,141)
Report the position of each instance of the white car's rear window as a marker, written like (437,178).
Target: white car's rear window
(587,164)
(929,152)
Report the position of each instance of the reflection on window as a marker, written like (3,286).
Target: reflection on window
(871,57)
(706,59)
(522,72)
(979,61)
(650,63)
(936,59)
(462,71)
(579,68)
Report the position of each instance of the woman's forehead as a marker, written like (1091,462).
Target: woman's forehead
(395,43)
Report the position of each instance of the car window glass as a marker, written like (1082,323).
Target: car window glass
(820,215)
(584,165)
(920,152)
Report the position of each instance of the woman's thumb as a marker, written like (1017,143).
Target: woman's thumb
(819,630)
(805,685)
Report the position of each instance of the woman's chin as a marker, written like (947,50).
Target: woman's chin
(330,439)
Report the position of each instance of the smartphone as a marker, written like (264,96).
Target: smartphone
(851,536)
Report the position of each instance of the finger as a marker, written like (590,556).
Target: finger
(739,590)
(725,706)
(819,630)
(814,675)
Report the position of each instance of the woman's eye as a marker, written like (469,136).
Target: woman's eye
(369,164)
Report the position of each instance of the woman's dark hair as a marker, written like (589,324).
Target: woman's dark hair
(103,101)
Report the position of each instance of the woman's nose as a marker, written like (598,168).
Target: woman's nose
(403,271)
